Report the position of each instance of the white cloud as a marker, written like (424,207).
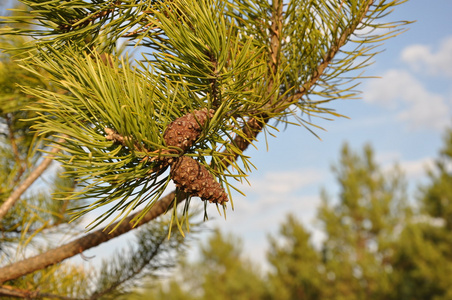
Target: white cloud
(417,168)
(284,182)
(271,197)
(423,58)
(399,90)
(413,169)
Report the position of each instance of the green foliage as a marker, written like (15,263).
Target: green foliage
(249,61)
(437,197)
(296,264)
(39,220)
(425,250)
(361,229)
(221,273)
(18,152)
(223,262)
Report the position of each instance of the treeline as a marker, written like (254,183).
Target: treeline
(379,244)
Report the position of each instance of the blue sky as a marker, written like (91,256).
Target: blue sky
(402,115)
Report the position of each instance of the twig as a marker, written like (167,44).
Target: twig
(328,57)
(15,196)
(101,14)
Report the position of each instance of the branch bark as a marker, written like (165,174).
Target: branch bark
(26,294)
(329,55)
(86,242)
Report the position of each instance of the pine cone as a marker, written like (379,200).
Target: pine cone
(184,131)
(194,179)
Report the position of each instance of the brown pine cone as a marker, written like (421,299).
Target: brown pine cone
(184,131)
(194,179)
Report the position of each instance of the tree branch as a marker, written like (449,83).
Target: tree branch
(86,242)
(135,272)
(101,14)
(15,196)
(10,291)
(251,129)
(328,57)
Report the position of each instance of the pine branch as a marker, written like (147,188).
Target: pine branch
(10,291)
(250,130)
(100,236)
(255,124)
(329,56)
(90,19)
(86,242)
(158,243)
(15,196)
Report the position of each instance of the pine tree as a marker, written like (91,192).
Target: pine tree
(362,228)
(297,266)
(423,258)
(221,272)
(209,76)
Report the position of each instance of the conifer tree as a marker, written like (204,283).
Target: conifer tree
(423,256)
(221,272)
(362,228)
(297,265)
(207,78)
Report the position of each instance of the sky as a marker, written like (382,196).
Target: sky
(402,114)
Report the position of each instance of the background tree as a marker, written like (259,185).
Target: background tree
(423,258)
(38,215)
(377,245)
(361,229)
(221,272)
(208,81)
(297,266)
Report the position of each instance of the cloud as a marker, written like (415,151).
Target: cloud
(400,91)
(275,194)
(417,168)
(413,169)
(422,58)
(284,182)
(274,185)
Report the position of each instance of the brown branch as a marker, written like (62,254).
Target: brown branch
(255,125)
(99,15)
(12,138)
(10,291)
(15,196)
(86,242)
(328,57)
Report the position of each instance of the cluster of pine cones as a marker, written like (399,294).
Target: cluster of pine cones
(187,173)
